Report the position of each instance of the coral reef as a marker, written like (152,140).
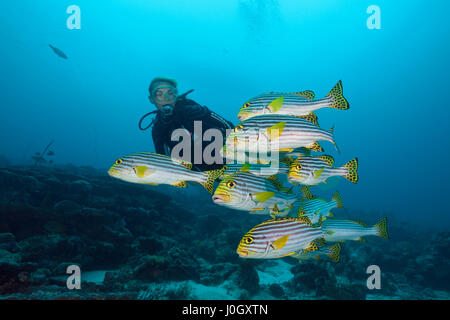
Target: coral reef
(142,242)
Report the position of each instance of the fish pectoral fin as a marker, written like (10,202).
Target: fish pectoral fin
(276,104)
(275,131)
(318,173)
(280,242)
(263,196)
(180,184)
(142,171)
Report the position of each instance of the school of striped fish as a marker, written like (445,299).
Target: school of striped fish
(283,125)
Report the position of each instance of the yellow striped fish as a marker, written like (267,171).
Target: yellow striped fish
(152,168)
(278,238)
(280,133)
(310,170)
(294,104)
(247,192)
(341,230)
(318,208)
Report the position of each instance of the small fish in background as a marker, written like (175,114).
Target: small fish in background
(58,52)
(39,157)
(153,169)
(294,104)
(318,208)
(312,170)
(279,238)
(258,195)
(341,230)
(333,252)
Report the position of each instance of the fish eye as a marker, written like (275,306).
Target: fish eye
(231,184)
(248,240)
(246,105)
(298,167)
(119,161)
(225,168)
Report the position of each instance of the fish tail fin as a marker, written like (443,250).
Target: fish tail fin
(334,253)
(211,178)
(338,199)
(337,97)
(382,229)
(352,172)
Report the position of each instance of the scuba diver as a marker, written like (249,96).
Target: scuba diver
(175,112)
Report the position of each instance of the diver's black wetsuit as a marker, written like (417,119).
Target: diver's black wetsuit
(185,112)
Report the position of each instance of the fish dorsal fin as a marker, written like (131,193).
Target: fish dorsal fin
(263,196)
(304,220)
(180,184)
(315,147)
(362,224)
(276,104)
(308,94)
(280,242)
(185,164)
(276,130)
(311,118)
(327,159)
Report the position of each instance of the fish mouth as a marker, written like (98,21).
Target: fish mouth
(112,172)
(242,253)
(220,198)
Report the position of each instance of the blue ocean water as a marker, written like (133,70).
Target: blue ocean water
(395,78)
